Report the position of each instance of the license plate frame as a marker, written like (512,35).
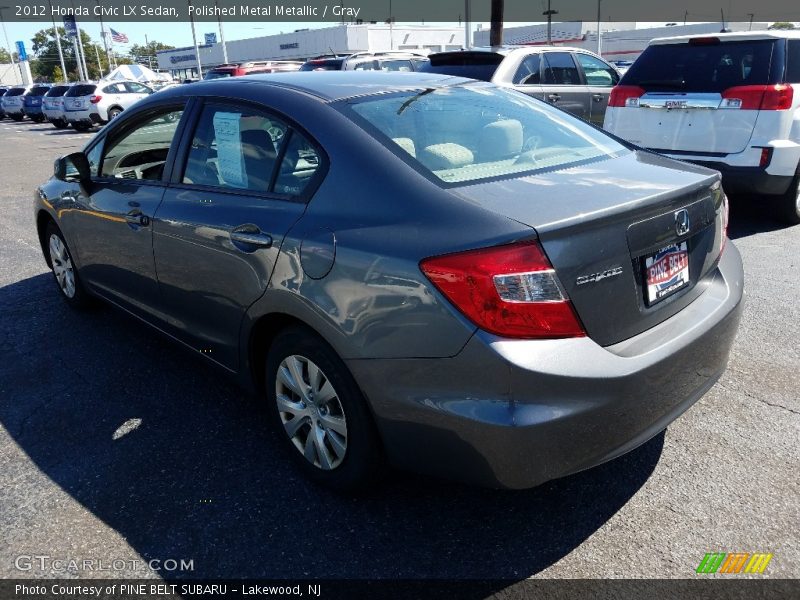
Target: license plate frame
(665,272)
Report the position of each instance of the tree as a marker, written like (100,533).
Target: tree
(146,53)
(45,51)
(782,25)
(496,31)
(4,57)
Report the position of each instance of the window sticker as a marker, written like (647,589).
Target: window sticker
(230,160)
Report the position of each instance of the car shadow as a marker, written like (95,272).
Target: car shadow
(750,216)
(183,465)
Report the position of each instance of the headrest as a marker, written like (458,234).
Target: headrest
(439,157)
(501,140)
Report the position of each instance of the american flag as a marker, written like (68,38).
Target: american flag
(116,36)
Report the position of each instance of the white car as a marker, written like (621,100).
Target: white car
(88,104)
(729,101)
(53,106)
(13,103)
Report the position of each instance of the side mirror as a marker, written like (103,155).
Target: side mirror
(72,167)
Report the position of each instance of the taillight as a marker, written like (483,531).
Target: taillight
(625,95)
(95,99)
(758,97)
(510,290)
(724,214)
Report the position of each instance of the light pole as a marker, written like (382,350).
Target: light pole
(5,34)
(598,28)
(58,44)
(467,24)
(194,40)
(549,14)
(221,35)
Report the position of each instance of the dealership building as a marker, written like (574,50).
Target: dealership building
(619,41)
(305,43)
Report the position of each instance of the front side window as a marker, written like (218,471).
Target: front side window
(793,62)
(560,69)
(115,88)
(243,149)
(93,156)
(141,153)
(472,132)
(137,88)
(597,72)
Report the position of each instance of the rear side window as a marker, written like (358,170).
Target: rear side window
(241,149)
(560,69)
(137,88)
(528,71)
(115,88)
(703,67)
(793,67)
(81,90)
(478,65)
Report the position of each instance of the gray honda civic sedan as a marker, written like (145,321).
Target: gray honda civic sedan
(410,269)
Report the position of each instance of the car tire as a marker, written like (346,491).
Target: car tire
(81,126)
(60,124)
(17,118)
(788,204)
(113,113)
(65,274)
(331,437)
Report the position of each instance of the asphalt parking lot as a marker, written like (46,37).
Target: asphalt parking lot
(195,473)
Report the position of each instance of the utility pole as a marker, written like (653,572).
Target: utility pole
(99,64)
(549,14)
(58,44)
(751,15)
(496,31)
(103,37)
(599,37)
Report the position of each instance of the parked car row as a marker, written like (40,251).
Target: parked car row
(81,105)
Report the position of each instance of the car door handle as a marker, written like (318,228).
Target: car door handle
(553,97)
(136,217)
(597,97)
(251,236)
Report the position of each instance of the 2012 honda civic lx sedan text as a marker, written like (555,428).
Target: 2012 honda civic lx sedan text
(428,271)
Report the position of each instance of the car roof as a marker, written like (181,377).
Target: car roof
(730,37)
(332,85)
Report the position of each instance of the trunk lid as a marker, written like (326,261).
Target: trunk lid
(603,224)
(683,89)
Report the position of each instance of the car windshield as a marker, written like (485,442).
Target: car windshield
(81,90)
(471,132)
(702,66)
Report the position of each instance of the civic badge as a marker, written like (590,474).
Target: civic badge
(682,225)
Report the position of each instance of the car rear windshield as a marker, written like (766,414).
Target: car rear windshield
(38,91)
(55,92)
(217,75)
(477,131)
(323,65)
(703,66)
(15,92)
(81,90)
(474,65)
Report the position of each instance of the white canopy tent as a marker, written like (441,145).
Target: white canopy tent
(136,73)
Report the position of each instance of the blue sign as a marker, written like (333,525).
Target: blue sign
(211,38)
(70,28)
(21,51)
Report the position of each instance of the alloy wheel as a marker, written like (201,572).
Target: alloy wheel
(62,266)
(311,412)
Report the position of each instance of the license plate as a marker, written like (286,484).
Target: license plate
(666,272)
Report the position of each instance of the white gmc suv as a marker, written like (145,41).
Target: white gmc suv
(729,101)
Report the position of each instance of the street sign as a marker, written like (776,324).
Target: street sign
(70,28)
(23,55)
(211,38)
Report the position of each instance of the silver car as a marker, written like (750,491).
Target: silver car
(88,104)
(53,106)
(572,79)
(434,271)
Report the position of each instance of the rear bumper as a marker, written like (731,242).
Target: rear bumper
(748,180)
(79,116)
(516,413)
(33,110)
